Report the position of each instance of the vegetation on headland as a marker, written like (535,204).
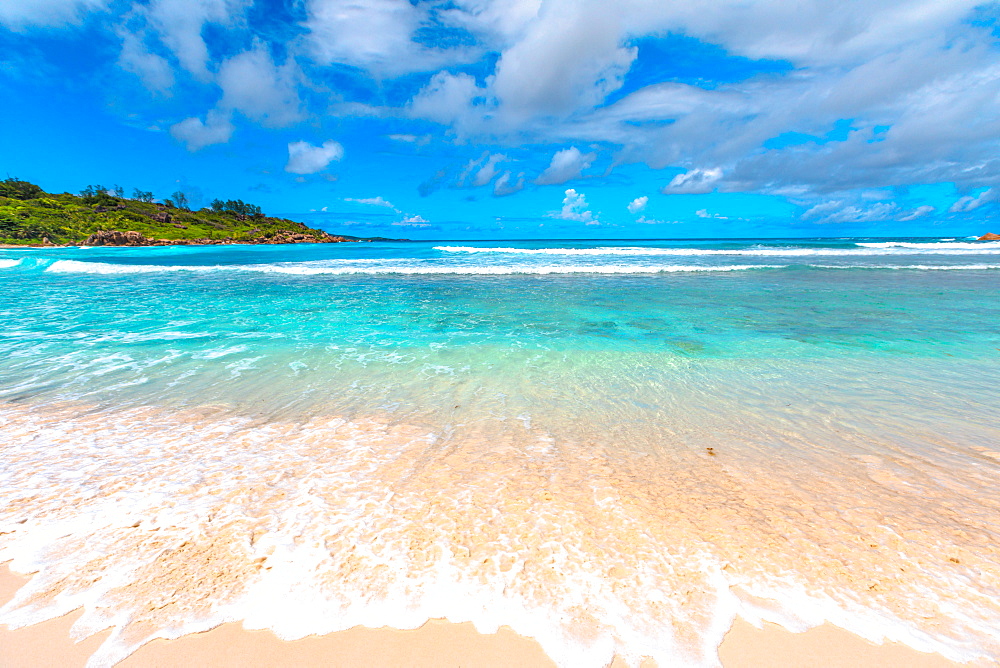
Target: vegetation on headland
(105,216)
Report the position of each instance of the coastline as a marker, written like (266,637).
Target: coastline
(330,239)
(195,242)
(436,643)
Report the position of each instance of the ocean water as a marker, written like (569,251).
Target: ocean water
(611,446)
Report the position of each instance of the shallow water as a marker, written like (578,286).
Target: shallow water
(610,446)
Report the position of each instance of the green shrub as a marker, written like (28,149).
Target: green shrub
(17,189)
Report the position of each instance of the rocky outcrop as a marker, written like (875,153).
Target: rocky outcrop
(990,236)
(285,237)
(117,238)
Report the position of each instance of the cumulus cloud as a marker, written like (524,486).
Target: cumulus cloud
(20,15)
(413,221)
(448,99)
(508,184)
(180,24)
(652,221)
(217,128)
(153,69)
(566,164)
(380,36)
(704,213)
(919,212)
(570,58)
(638,204)
(969,203)
(486,173)
(694,182)
(304,158)
(837,211)
(918,80)
(575,208)
(372,201)
(419,140)
(254,85)
(480,171)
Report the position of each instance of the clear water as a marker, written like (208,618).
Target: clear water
(611,446)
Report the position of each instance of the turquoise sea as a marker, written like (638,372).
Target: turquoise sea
(611,446)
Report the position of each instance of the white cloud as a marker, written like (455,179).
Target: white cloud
(154,70)
(704,213)
(482,170)
(419,140)
(566,164)
(919,212)
(638,204)
(924,72)
(217,128)
(180,24)
(919,67)
(254,85)
(498,22)
(652,221)
(304,158)
(372,201)
(379,36)
(570,58)
(448,99)
(837,211)
(575,207)
(413,221)
(19,15)
(507,184)
(969,203)
(486,173)
(694,182)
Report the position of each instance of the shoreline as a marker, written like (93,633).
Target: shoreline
(436,643)
(186,242)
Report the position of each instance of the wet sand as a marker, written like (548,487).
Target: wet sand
(436,644)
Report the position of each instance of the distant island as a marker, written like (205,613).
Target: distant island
(101,216)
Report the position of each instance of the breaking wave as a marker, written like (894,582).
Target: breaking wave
(305,269)
(893,248)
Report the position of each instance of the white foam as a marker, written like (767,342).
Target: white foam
(78,267)
(505,270)
(922,267)
(949,244)
(162,524)
(334,269)
(873,249)
(418,268)
(7,264)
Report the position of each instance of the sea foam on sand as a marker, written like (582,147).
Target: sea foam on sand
(161,523)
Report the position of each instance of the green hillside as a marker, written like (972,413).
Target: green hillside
(30,216)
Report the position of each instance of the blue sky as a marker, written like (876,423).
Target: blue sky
(520,118)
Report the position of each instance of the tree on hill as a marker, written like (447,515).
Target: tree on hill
(142,195)
(238,208)
(18,189)
(180,200)
(98,194)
